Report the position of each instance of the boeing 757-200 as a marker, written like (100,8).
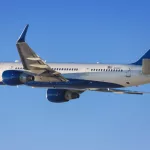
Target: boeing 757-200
(67,81)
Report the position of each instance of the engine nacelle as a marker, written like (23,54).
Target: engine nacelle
(16,77)
(60,95)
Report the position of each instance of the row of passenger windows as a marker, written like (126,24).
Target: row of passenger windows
(76,69)
(66,69)
(18,68)
(116,70)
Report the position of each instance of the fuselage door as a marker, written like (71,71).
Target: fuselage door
(128,73)
(87,70)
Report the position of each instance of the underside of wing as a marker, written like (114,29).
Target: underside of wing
(121,91)
(32,62)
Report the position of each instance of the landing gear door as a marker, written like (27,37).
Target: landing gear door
(128,73)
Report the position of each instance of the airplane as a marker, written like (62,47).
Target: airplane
(67,81)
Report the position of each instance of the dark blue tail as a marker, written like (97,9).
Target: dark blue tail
(145,56)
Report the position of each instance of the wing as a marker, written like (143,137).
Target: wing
(32,62)
(120,91)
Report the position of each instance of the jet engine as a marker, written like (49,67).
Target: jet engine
(60,95)
(16,77)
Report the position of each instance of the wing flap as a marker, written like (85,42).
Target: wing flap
(39,66)
(34,59)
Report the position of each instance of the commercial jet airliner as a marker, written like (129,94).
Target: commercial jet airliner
(67,81)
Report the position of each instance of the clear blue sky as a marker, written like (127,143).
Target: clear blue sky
(75,31)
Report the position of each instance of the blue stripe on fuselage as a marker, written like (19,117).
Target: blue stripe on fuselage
(75,83)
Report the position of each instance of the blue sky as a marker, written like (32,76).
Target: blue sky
(75,31)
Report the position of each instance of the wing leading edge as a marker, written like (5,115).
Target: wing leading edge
(32,62)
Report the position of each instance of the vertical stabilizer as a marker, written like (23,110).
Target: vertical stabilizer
(145,56)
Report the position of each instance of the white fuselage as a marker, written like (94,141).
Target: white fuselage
(124,75)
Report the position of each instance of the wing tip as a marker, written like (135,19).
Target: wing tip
(23,34)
